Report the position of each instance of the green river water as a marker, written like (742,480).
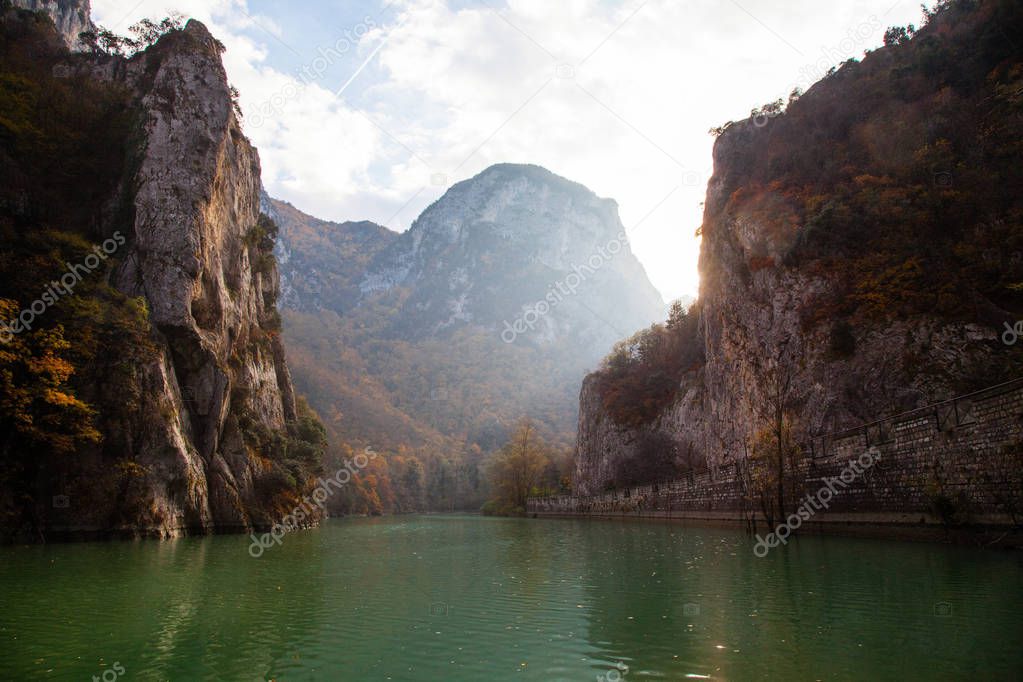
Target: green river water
(453,598)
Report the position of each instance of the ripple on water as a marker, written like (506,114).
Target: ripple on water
(468,598)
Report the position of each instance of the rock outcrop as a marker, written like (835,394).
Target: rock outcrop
(203,436)
(212,298)
(71,17)
(530,255)
(833,318)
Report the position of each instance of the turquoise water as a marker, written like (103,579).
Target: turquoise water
(470,598)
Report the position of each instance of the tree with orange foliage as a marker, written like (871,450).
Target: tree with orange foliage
(37,406)
(518,469)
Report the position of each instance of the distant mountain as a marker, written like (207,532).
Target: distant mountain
(492,306)
(512,242)
(323,262)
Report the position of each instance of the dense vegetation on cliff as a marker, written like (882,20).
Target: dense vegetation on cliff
(64,145)
(862,255)
(642,375)
(900,176)
(77,354)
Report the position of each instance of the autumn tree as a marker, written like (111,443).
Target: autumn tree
(775,450)
(642,375)
(517,469)
(38,408)
(41,417)
(774,456)
(896,35)
(146,33)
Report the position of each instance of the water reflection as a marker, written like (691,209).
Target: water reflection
(468,598)
(698,602)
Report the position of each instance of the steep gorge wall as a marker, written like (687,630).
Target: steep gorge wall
(196,442)
(782,279)
(197,200)
(941,466)
(603,446)
(70,17)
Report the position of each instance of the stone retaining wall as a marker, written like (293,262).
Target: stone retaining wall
(956,463)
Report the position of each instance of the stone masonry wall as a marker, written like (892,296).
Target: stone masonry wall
(959,462)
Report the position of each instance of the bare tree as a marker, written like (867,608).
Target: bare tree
(519,466)
(774,448)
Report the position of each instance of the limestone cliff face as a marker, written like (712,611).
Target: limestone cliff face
(758,346)
(602,446)
(770,315)
(756,335)
(512,241)
(195,444)
(212,296)
(71,17)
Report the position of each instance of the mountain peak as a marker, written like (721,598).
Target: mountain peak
(504,172)
(493,305)
(525,202)
(494,246)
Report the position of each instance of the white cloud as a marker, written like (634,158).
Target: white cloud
(454,89)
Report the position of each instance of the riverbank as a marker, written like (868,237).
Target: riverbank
(866,525)
(949,472)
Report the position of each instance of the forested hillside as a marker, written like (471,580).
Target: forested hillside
(862,255)
(432,345)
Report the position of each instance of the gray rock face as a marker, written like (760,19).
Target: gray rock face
(601,445)
(196,203)
(71,17)
(754,325)
(518,246)
(203,264)
(755,339)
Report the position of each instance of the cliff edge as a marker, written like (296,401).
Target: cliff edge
(186,419)
(861,256)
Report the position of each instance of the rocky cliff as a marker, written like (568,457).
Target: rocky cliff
(860,256)
(492,306)
(533,256)
(70,17)
(203,430)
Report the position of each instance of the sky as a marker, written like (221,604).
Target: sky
(370,110)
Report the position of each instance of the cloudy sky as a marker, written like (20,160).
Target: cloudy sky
(369,110)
